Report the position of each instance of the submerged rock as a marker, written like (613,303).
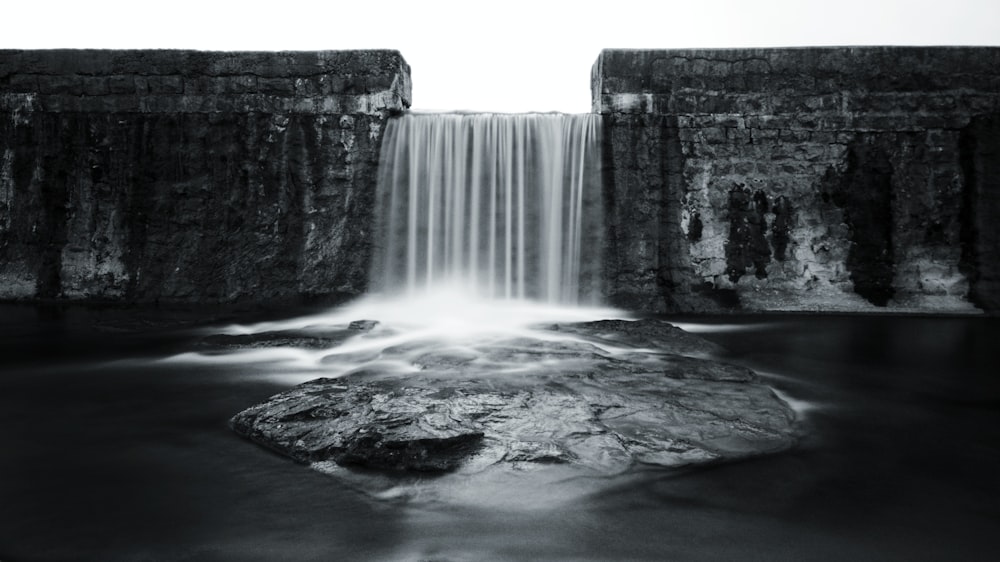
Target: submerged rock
(575,405)
(647,333)
(362,325)
(284,338)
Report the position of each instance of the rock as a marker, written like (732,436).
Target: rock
(382,425)
(433,422)
(362,325)
(307,339)
(527,405)
(646,333)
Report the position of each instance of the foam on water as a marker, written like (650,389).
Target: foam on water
(449,319)
(703,328)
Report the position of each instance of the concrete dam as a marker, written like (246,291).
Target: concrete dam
(818,179)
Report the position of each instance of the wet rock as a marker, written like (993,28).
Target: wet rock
(528,405)
(362,325)
(307,339)
(382,425)
(681,367)
(646,333)
(440,423)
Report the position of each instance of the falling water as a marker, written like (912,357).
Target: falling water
(501,206)
(491,232)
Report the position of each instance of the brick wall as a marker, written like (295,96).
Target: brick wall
(163,176)
(813,178)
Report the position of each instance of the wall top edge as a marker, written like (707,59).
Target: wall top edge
(199,52)
(866,59)
(804,49)
(789,72)
(183,61)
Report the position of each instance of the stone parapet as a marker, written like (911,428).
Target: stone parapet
(166,81)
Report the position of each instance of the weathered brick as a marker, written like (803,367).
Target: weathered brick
(276,86)
(165,84)
(243,84)
(714,135)
(96,86)
(141,85)
(61,84)
(307,87)
(765,135)
(121,84)
(22,83)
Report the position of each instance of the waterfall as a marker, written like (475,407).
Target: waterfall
(502,206)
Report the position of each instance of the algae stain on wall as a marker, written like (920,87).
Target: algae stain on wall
(810,178)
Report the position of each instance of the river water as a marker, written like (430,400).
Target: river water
(108,454)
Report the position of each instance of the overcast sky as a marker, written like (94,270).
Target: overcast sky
(503,55)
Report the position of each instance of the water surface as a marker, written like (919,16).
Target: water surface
(106,457)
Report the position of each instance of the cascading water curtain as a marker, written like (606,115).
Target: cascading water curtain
(505,206)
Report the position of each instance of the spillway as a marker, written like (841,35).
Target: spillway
(502,206)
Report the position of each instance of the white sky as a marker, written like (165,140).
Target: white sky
(502,55)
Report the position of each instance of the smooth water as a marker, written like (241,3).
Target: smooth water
(505,206)
(111,454)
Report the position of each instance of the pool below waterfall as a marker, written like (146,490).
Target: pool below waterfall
(112,454)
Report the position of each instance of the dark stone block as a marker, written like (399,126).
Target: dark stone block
(276,86)
(121,85)
(165,84)
(96,86)
(65,84)
(21,83)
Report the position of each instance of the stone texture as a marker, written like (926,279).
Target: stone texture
(186,176)
(655,402)
(980,143)
(816,178)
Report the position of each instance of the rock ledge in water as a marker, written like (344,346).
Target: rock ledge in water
(606,415)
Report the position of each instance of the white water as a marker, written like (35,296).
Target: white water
(490,232)
(503,206)
(444,320)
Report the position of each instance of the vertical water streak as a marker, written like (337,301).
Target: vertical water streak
(502,205)
(413,190)
(521,250)
(490,150)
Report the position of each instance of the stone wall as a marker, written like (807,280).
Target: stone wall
(186,176)
(813,178)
